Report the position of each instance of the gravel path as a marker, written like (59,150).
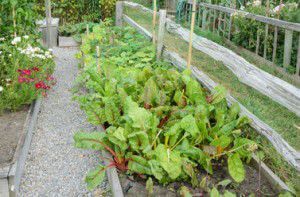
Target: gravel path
(54,167)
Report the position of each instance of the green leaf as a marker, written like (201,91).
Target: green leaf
(194,92)
(228,194)
(188,123)
(224,183)
(236,168)
(139,168)
(223,141)
(95,177)
(89,140)
(219,94)
(150,92)
(170,161)
(140,117)
(185,192)
(189,170)
(214,193)
(156,170)
(149,186)
(179,98)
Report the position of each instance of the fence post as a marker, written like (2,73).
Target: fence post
(119,13)
(204,15)
(288,41)
(48,23)
(298,58)
(257,42)
(154,22)
(161,32)
(275,44)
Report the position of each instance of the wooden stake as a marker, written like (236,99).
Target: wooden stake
(189,60)
(154,21)
(87,29)
(98,56)
(14,20)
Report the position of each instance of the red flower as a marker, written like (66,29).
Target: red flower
(42,85)
(26,72)
(36,69)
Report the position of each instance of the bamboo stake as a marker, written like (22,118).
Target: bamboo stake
(154,21)
(191,35)
(14,20)
(87,29)
(98,56)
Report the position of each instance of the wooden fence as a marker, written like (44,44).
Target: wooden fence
(288,152)
(220,20)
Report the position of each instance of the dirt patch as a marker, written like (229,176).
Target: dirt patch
(135,186)
(11,127)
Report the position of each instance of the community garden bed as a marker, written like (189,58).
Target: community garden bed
(163,129)
(11,129)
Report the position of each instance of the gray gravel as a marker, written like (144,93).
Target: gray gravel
(54,167)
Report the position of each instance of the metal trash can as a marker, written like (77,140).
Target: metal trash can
(54,31)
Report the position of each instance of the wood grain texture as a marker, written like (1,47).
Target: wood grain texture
(161,32)
(278,90)
(119,13)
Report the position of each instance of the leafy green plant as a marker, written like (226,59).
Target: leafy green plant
(72,11)
(76,30)
(158,121)
(17,17)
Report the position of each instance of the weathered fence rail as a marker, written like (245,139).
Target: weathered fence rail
(278,90)
(210,16)
(283,148)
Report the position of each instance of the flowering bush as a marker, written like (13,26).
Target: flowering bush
(25,71)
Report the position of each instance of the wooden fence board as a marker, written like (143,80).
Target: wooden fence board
(278,90)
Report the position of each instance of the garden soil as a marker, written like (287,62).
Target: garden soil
(11,127)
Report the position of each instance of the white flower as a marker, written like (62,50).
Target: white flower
(9,55)
(16,40)
(248,3)
(257,3)
(2,39)
(51,50)
(242,8)
(1,88)
(26,37)
(278,8)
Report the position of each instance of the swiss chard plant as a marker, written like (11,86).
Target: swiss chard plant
(159,122)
